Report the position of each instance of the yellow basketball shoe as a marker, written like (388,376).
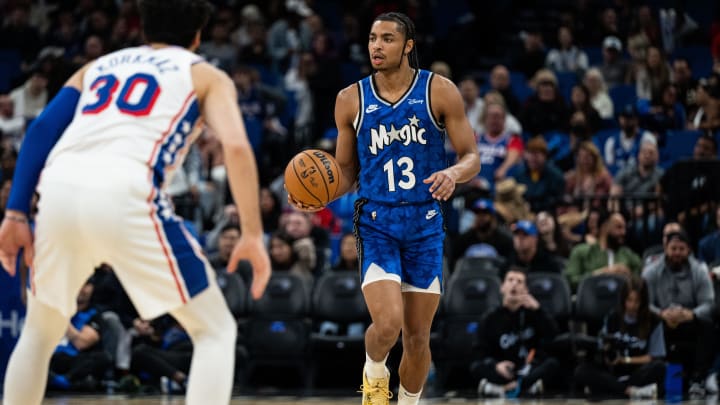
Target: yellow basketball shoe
(376,391)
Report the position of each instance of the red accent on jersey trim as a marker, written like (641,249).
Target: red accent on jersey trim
(153,209)
(173,122)
(166,251)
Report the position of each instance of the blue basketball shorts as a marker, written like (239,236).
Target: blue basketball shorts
(403,243)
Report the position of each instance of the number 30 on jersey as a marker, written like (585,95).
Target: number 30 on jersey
(405,166)
(128,102)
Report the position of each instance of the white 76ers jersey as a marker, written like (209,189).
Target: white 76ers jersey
(138,106)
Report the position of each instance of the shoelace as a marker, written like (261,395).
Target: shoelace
(376,393)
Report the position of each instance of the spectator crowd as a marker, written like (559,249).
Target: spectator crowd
(597,125)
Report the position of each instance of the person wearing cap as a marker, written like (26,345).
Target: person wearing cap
(621,149)
(485,230)
(614,66)
(681,293)
(608,255)
(544,181)
(529,251)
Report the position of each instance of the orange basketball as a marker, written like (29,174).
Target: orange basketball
(312,177)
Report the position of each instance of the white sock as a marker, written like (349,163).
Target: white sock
(27,370)
(213,332)
(408,398)
(375,369)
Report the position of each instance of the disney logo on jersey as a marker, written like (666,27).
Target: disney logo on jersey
(381,137)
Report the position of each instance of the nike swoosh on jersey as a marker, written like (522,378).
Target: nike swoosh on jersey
(372,108)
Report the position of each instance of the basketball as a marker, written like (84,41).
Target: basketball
(312,177)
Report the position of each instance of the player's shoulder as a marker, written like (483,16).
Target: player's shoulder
(348,100)
(349,94)
(442,84)
(205,75)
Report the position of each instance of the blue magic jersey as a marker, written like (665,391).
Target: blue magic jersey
(399,145)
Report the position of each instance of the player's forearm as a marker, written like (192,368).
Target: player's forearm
(243,179)
(348,178)
(41,137)
(466,168)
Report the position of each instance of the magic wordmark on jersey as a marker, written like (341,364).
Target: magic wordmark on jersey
(381,137)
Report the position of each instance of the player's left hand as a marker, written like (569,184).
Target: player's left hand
(302,206)
(253,249)
(15,234)
(442,184)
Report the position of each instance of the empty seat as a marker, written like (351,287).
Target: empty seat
(277,332)
(466,300)
(552,291)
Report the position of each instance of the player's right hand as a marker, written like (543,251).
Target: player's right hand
(252,249)
(14,235)
(302,206)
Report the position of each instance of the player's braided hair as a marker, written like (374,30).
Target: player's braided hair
(408,29)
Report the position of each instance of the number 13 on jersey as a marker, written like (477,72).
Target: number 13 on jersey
(130,101)
(405,166)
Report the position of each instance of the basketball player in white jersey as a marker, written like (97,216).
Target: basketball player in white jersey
(106,146)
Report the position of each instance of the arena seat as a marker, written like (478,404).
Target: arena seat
(622,95)
(678,145)
(339,317)
(235,292)
(479,265)
(552,291)
(467,298)
(277,333)
(597,295)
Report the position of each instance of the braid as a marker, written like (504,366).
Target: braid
(408,29)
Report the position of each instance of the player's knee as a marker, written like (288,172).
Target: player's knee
(227,330)
(388,329)
(416,342)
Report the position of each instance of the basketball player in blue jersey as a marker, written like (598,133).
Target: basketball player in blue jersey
(107,146)
(391,131)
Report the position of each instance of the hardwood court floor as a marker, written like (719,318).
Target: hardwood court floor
(159,400)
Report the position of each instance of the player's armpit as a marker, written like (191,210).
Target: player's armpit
(447,103)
